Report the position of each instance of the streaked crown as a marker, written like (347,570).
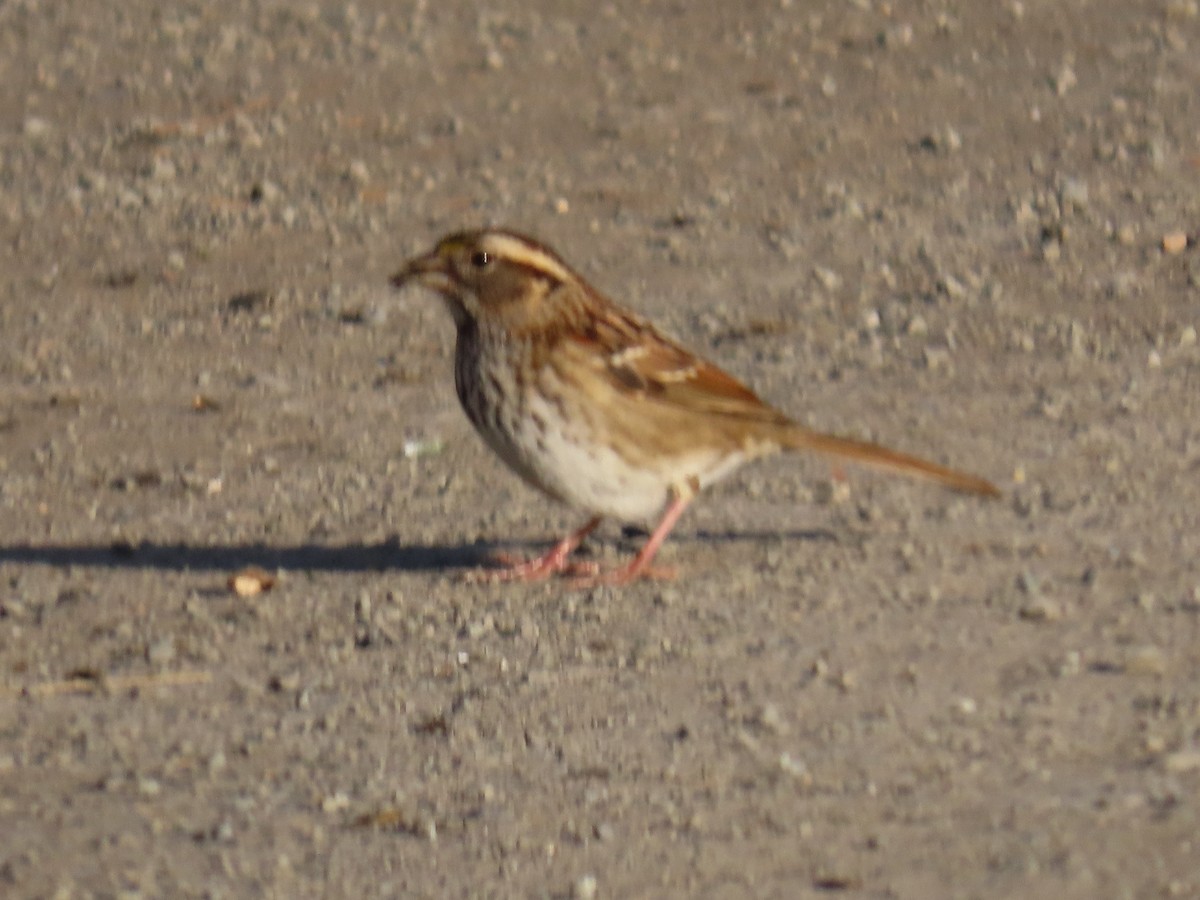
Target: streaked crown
(502,271)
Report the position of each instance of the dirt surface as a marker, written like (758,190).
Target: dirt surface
(965,230)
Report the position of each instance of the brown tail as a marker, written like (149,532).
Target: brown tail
(796,437)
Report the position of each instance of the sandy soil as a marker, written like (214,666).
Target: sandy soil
(963,229)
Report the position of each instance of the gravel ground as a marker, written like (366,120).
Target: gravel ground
(964,230)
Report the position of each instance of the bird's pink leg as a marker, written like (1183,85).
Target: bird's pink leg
(540,567)
(639,566)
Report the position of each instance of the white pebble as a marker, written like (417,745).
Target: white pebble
(584,888)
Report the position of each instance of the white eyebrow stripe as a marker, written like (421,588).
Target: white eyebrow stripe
(518,251)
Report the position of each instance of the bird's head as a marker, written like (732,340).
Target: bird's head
(492,274)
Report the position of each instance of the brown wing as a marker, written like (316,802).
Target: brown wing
(630,355)
(633,357)
(637,358)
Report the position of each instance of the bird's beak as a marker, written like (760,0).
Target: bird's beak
(430,270)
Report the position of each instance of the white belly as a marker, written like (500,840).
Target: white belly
(571,463)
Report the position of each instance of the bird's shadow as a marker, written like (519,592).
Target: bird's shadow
(383,556)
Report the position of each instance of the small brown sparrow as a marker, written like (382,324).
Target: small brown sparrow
(590,404)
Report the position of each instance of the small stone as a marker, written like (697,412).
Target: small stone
(1182,761)
(562,206)
(1182,9)
(1157,152)
(936,358)
(944,140)
(1147,660)
(667,596)
(1064,80)
(1154,743)
(1029,583)
(829,279)
(289,682)
(1187,337)
(250,581)
(415,448)
(831,492)
(897,36)
(1041,609)
(584,888)
(794,768)
(952,287)
(264,192)
(335,803)
(1174,242)
(148,787)
(161,651)
(163,169)
(1071,664)
(36,128)
(1073,192)
(771,719)
(1025,214)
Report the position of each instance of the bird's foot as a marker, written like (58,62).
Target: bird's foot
(555,561)
(626,574)
(515,568)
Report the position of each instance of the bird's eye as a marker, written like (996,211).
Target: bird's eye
(480,258)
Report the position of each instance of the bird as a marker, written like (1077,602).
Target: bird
(593,406)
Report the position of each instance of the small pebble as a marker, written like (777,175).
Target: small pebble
(357,172)
(1182,761)
(1174,241)
(148,787)
(584,888)
(1064,80)
(936,358)
(771,719)
(161,651)
(1073,192)
(1148,660)
(1041,609)
(794,768)
(36,128)
(335,803)
(829,279)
